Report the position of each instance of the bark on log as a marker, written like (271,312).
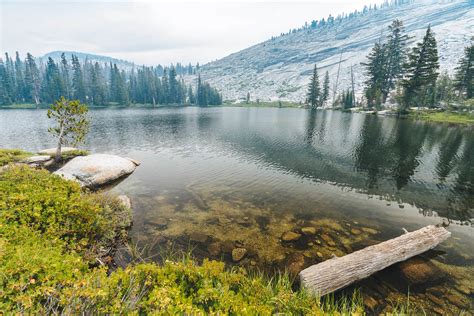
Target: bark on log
(336,273)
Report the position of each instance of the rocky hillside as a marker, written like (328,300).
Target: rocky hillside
(280,67)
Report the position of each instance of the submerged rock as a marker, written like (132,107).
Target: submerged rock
(295,263)
(198,237)
(214,249)
(418,271)
(328,240)
(308,230)
(290,236)
(238,254)
(96,170)
(159,222)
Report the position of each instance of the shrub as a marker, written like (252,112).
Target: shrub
(12,155)
(56,207)
(46,226)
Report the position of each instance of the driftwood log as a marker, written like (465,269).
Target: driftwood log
(338,272)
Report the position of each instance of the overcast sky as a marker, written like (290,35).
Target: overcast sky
(155,31)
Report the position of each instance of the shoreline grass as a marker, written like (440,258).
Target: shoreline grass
(443,117)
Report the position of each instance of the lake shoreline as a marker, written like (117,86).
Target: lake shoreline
(432,116)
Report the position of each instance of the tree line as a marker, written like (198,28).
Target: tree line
(408,77)
(411,75)
(26,81)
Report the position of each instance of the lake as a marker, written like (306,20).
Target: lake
(213,180)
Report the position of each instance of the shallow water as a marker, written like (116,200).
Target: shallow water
(213,180)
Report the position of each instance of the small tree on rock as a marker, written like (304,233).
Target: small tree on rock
(72,123)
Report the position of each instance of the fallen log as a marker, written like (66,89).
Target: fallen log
(339,272)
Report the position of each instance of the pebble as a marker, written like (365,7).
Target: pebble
(214,248)
(320,255)
(290,236)
(369,230)
(308,230)
(355,231)
(160,222)
(456,300)
(238,254)
(198,237)
(435,299)
(328,240)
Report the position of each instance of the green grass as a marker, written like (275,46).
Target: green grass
(445,117)
(12,155)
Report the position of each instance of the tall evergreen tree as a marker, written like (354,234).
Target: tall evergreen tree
(66,77)
(53,86)
(98,88)
(421,73)
(79,89)
(314,91)
(21,93)
(325,92)
(376,74)
(464,78)
(5,98)
(32,79)
(395,56)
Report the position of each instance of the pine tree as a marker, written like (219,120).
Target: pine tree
(79,90)
(325,93)
(314,91)
(9,81)
(98,93)
(4,96)
(20,92)
(395,56)
(422,71)
(65,74)
(32,79)
(191,97)
(464,78)
(173,86)
(53,86)
(376,74)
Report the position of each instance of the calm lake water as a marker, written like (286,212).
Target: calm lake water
(216,179)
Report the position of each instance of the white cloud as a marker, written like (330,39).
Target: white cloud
(151,31)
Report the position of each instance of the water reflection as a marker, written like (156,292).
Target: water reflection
(418,163)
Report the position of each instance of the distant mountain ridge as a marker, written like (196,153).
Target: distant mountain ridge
(279,68)
(122,64)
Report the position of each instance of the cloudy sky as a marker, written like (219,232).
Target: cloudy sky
(154,31)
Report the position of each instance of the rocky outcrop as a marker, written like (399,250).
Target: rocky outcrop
(38,161)
(96,170)
(52,151)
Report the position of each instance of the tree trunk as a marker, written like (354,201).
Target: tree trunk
(336,273)
(57,158)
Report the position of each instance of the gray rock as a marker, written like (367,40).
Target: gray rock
(96,170)
(38,159)
(52,151)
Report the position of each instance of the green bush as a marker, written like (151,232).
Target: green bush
(47,227)
(58,208)
(12,155)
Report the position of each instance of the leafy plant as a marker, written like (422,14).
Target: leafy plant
(72,123)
